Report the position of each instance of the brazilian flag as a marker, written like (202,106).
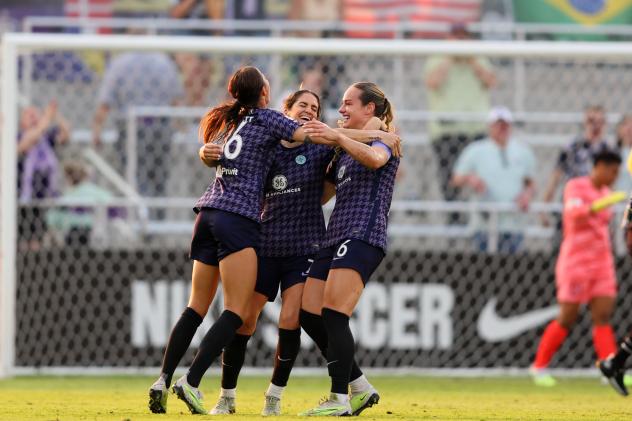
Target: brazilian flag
(580,12)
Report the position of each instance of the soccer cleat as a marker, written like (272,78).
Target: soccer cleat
(614,375)
(363,400)
(329,407)
(190,395)
(541,377)
(158,394)
(272,406)
(225,405)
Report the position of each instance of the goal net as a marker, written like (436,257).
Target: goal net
(95,235)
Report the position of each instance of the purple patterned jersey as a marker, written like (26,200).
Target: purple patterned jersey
(363,200)
(292,221)
(245,162)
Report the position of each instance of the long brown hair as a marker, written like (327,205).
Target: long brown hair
(245,87)
(292,98)
(383,108)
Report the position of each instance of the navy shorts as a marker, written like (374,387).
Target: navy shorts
(285,272)
(218,233)
(349,254)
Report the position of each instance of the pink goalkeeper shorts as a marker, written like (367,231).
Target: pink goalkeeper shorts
(581,286)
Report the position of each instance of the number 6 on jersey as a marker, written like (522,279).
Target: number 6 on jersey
(235,140)
(342,250)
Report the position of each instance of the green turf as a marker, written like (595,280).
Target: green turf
(403,398)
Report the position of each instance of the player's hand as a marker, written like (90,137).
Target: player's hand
(210,153)
(374,124)
(394,143)
(315,128)
(477,184)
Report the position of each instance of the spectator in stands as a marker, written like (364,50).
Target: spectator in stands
(456,84)
(77,222)
(498,169)
(316,10)
(38,167)
(624,145)
(246,10)
(576,159)
(141,79)
(196,68)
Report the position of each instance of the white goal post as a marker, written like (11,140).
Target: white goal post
(14,45)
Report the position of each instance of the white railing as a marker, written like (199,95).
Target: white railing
(494,210)
(403,116)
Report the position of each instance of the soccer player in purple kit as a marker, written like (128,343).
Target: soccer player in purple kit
(227,228)
(226,232)
(292,227)
(354,246)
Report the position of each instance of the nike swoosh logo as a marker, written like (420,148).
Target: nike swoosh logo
(493,328)
(284,359)
(331,362)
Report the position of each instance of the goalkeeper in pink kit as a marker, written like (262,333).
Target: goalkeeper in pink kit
(584,271)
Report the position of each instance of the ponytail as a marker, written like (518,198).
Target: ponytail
(387,115)
(245,86)
(222,120)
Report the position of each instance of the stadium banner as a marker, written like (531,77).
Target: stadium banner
(427,310)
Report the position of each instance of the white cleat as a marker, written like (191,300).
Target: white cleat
(272,406)
(363,400)
(224,406)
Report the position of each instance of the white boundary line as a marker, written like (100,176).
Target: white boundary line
(310,372)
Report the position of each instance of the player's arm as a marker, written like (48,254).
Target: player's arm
(302,135)
(375,129)
(607,201)
(372,156)
(319,129)
(367,136)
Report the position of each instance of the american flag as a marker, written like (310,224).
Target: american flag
(394,11)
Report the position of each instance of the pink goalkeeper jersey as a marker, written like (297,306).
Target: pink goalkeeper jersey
(586,243)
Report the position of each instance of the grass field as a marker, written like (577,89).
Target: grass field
(124,398)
